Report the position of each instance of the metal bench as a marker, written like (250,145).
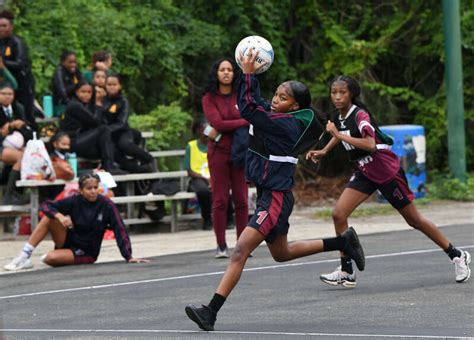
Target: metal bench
(34,185)
(153,198)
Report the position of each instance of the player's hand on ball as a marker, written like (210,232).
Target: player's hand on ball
(248,62)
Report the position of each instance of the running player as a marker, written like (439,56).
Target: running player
(277,134)
(378,168)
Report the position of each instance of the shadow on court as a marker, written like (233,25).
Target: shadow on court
(407,291)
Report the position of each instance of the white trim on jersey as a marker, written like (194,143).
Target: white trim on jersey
(364,123)
(283,159)
(353,107)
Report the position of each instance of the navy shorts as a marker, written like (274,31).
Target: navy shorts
(396,192)
(273,211)
(80,256)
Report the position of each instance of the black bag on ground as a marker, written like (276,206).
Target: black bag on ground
(156,210)
(165,186)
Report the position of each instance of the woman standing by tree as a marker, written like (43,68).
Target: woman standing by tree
(220,108)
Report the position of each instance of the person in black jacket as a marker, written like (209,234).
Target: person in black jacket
(77,225)
(115,111)
(89,139)
(15,57)
(12,119)
(66,76)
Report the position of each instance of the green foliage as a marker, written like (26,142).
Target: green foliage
(164,48)
(169,124)
(447,188)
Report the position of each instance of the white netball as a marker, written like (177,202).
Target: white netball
(255,42)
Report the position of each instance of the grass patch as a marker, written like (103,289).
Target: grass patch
(370,209)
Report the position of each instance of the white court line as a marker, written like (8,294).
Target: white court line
(172,331)
(297,264)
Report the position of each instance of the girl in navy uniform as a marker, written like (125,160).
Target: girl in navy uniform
(82,122)
(378,168)
(115,115)
(278,133)
(77,225)
(65,78)
(15,57)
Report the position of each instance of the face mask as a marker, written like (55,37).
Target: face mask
(63,151)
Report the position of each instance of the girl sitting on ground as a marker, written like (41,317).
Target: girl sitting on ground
(77,225)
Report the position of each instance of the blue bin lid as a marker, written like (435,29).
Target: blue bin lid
(407,129)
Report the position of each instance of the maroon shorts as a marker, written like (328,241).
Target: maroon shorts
(273,211)
(396,192)
(80,256)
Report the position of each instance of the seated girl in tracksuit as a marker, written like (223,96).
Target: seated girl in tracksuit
(77,225)
(279,132)
(115,112)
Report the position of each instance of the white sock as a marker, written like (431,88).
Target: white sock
(28,249)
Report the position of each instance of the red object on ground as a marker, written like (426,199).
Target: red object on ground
(109,235)
(24,227)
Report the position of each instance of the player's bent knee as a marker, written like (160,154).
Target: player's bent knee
(281,257)
(55,260)
(338,217)
(239,254)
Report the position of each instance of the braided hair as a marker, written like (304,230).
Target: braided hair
(354,89)
(85,177)
(300,93)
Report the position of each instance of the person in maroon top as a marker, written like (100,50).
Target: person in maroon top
(220,108)
(378,168)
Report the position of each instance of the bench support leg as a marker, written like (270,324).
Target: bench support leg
(174,216)
(34,207)
(130,190)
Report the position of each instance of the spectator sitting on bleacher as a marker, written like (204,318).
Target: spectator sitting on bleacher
(15,58)
(12,120)
(61,147)
(101,60)
(115,111)
(89,139)
(195,162)
(66,76)
(98,82)
(77,225)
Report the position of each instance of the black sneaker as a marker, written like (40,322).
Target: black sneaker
(353,249)
(15,199)
(202,316)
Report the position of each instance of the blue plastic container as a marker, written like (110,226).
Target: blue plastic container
(48,106)
(72,159)
(410,146)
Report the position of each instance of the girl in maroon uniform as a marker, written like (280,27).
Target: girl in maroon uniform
(378,168)
(220,108)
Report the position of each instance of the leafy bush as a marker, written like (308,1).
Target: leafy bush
(445,187)
(169,123)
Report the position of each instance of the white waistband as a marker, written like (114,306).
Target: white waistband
(283,159)
(383,147)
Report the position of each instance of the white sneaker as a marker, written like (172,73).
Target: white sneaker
(20,262)
(461,267)
(338,277)
(222,253)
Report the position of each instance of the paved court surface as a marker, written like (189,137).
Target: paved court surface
(407,291)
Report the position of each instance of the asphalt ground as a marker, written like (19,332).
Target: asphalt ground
(407,291)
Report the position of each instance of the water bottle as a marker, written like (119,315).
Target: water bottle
(72,159)
(48,106)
